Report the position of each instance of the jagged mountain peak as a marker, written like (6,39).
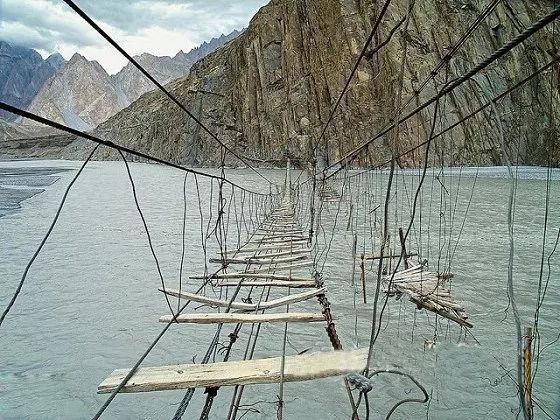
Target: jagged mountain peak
(164,69)
(81,94)
(55,59)
(23,72)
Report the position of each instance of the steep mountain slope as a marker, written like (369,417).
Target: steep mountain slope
(164,69)
(22,74)
(81,95)
(271,89)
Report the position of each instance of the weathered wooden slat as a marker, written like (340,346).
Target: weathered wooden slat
(282,242)
(279,219)
(290,231)
(302,367)
(272,283)
(279,225)
(264,248)
(276,268)
(298,297)
(258,260)
(240,318)
(410,269)
(249,272)
(285,237)
(271,276)
(242,253)
(282,238)
(378,257)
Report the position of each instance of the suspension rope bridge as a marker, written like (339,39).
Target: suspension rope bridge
(276,276)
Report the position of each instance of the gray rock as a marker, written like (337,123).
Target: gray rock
(80,95)
(23,72)
(270,90)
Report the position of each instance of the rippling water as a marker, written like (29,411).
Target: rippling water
(90,303)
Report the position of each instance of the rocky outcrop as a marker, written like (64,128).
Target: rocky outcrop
(23,72)
(270,90)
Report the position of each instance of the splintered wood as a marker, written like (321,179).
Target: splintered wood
(302,367)
(426,290)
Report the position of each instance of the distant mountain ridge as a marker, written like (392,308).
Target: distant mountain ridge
(81,94)
(164,69)
(23,72)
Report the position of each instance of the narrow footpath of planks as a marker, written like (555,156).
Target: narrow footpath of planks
(279,245)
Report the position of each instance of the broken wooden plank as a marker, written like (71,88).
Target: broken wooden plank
(241,318)
(302,367)
(286,300)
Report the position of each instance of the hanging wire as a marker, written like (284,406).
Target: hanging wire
(46,237)
(90,21)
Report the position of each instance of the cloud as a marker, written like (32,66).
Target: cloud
(54,23)
(160,27)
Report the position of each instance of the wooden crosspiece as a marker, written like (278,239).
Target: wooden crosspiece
(302,367)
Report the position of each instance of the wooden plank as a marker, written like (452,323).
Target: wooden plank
(411,269)
(274,254)
(262,260)
(285,236)
(286,300)
(282,268)
(240,318)
(271,276)
(272,283)
(279,225)
(264,248)
(266,231)
(302,367)
(377,257)
(282,242)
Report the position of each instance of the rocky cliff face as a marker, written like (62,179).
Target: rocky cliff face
(23,73)
(271,89)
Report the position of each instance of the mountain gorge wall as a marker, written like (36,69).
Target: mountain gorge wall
(270,90)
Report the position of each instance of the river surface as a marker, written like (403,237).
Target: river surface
(90,302)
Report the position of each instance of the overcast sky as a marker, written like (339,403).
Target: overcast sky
(160,27)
